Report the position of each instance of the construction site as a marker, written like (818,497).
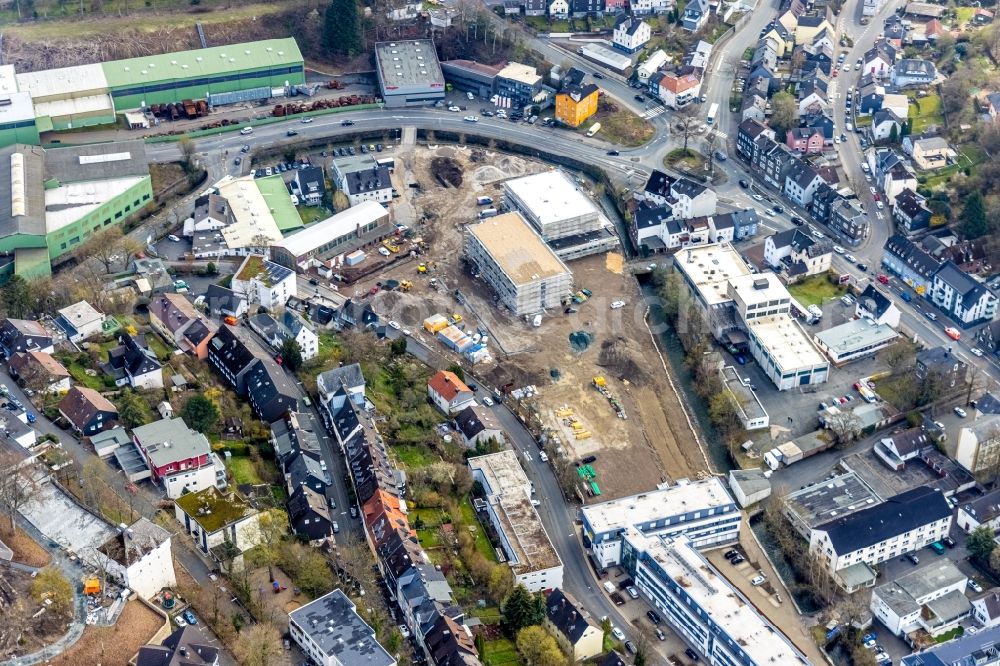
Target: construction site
(589,369)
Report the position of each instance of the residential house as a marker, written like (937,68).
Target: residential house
(630,34)
(772,161)
(983,510)
(573,628)
(370,183)
(22,335)
(449,393)
(134,364)
(310,184)
(197,337)
(187,646)
(576,104)
(535,7)
(889,172)
(913,72)
(348,377)
(583,8)
(304,468)
(690,199)
(850,220)
(910,212)
(910,262)
(851,545)
(797,253)
(330,632)
(805,140)
(801,183)
(675,90)
(745,222)
(39,371)
(290,327)
(879,59)
(178,457)
(812,95)
(978,445)
(271,392)
(264,282)
(647,227)
(993,106)
(423,594)
(884,121)
(80,321)
(901,447)
(651,65)
(746,137)
(139,557)
(986,609)
(478,425)
(87,411)
(869,97)
(931,598)
(988,337)
(223,302)
(171,315)
(309,515)
(223,525)
(231,358)
(950,369)
(696,58)
(819,122)
(893,31)
(211,213)
(559,9)
(15,429)
(355,314)
(810,25)
(966,300)
(695,14)
(754,107)
(656,191)
(825,200)
(931,153)
(876,305)
(450,643)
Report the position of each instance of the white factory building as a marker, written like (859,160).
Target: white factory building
(532,557)
(753,312)
(702,606)
(701,510)
(562,212)
(526,274)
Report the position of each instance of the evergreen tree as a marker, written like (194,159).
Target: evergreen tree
(521,609)
(342,27)
(16,297)
(894,134)
(974,217)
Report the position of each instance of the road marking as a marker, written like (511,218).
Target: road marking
(652,113)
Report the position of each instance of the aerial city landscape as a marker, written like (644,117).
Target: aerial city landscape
(500,333)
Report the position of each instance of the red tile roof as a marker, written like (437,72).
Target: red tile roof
(447,385)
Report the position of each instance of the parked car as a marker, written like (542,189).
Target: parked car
(744,184)
(190,618)
(653,617)
(912,557)
(692,655)
(974,586)
(630,646)
(618,633)
(632,592)
(758,580)
(961,413)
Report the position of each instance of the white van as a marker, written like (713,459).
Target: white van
(246,130)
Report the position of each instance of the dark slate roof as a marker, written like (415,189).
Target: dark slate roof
(368,180)
(197,332)
(915,67)
(305,502)
(985,508)
(874,301)
(214,206)
(566,614)
(898,514)
(939,359)
(811,21)
(270,390)
(964,285)
(230,351)
(188,646)
(311,180)
(805,175)
(909,202)
(794,238)
(911,255)
(988,404)
(885,116)
(659,183)
(612,659)
(687,187)
(910,441)
(475,419)
(347,375)
(305,470)
(752,128)
(651,217)
(745,218)
(220,298)
(133,356)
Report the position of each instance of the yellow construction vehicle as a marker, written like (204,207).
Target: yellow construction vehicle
(456,318)
(405,285)
(599,382)
(421,268)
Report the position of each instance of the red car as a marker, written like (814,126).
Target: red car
(373,291)
(883,279)
(836,72)
(278,359)
(877,197)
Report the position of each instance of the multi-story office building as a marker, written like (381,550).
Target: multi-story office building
(702,510)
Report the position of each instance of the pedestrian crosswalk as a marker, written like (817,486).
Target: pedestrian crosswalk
(652,113)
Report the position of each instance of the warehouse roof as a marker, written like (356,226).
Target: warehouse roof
(26,187)
(63,82)
(97,161)
(651,507)
(202,62)
(15,107)
(786,342)
(517,248)
(341,224)
(855,335)
(709,268)
(250,210)
(275,195)
(408,63)
(515,71)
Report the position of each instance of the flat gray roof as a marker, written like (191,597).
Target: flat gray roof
(408,64)
(170,440)
(335,626)
(855,335)
(826,500)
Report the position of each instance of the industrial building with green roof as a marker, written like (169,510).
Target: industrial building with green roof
(89,95)
(54,200)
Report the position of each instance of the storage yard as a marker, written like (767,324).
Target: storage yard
(608,343)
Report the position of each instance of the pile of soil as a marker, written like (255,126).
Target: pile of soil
(447,171)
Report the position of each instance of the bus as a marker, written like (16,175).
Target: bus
(712,110)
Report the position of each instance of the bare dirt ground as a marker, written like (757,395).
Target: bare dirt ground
(26,551)
(117,644)
(653,443)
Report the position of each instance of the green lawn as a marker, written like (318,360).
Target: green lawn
(482,541)
(620,127)
(158,347)
(951,633)
(310,214)
(964,15)
(500,652)
(80,376)
(925,112)
(243,471)
(328,345)
(815,290)
(414,456)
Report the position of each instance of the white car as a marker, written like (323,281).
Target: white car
(758,580)
(454,108)
(838,249)
(174,238)
(394,324)
(757,197)
(471,119)
(961,413)
(632,592)
(617,304)
(543,456)
(180,621)
(246,130)
(836,139)
(879,205)
(618,633)
(404,631)
(407,332)
(384,252)
(851,258)
(306,121)
(535,502)
(976,351)
(769,212)
(488,401)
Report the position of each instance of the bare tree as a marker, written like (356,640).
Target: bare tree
(845,426)
(260,645)
(687,124)
(18,487)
